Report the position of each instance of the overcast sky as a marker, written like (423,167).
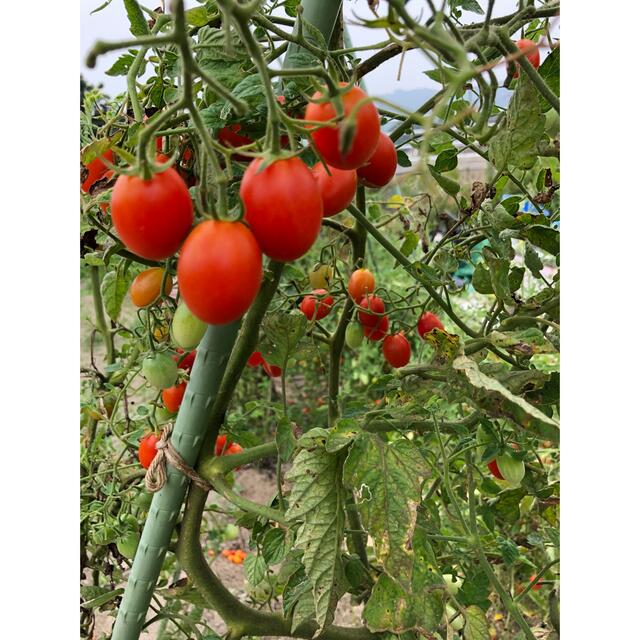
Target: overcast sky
(112,24)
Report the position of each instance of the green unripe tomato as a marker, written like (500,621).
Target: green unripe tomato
(320,276)
(458,623)
(230,532)
(128,544)
(354,335)
(160,370)
(511,468)
(143,500)
(452,587)
(186,329)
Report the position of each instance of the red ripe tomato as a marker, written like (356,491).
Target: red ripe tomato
(320,310)
(374,304)
(533,56)
(378,330)
(152,217)
(219,271)
(361,283)
(172,397)
(337,189)
(283,207)
(187,362)
(537,586)
(97,169)
(272,370)
(147,449)
(493,467)
(381,167)
(145,287)
(221,442)
(230,136)
(428,322)
(327,139)
(255,359)
(234,447)
(396,350)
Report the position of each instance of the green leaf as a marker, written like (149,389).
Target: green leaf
(411,241)
(255,569)
(509,550)
(285,440)
(317,498)
(522,128)
(273,546)
(121,66)
(475,589)
(102,599)
(511,204)
(445,261)
(499,275)
(550,71)
(197,17)
(341,434)
(493,396)
(467,5)
(481,280)
(476,626)
(448,185)
(507,505)
(114,287)
(291,7)
(526,342)
(185,591)
(137,24)
(447,160)
(387,480)
(546,238)
(532,260)
(403,159)
(516,276)
(283,333)
(313,35)
(500,219)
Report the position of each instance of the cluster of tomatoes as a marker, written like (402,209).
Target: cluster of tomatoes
(236,556)
(147,448)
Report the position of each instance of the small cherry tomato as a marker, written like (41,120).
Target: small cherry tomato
(377,331)
(428,322)
(354,335)
(374,304)
(221,442)
(186,329)
(152,217)
(362,141)
(381,166)
(145,287)
(172,397)
(255,359)
(219,271)
(533,54)
(97,170)
(233,448)
(147,449)
(337,188)
(314,308)
(361,283)
(160,370)
(283,207)
(396,350)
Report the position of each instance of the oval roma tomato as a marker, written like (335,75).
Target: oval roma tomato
(145,287)
(97,170)
(147,449)
(320,276)
(378,330)
(272,370)
(152,217)
(493,467)
(314,308)
(327,139)
(381,166)
(219,271)
(354,335)
(172,397)
(537,586)
(428,322)
(361,283)
(533,56)
(187,361)
(283,207)
(160,370)
(234,447)
(221,442)
(511,469)
(374,304)
(255,360)
(396,350)
(337,188)
(186,329)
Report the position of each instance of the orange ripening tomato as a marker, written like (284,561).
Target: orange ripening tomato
(255,360)
(396,350)
(314,308)
(364,140)
(283,207)
(533,54)
(147,449)
(172,397)
(232,449)
(152,217)
(375,305)
(378,330)
(428,322)
(537,586)
(337,188)
(219,271)
(381,166)
(97,170)
(145,287)
(361,283)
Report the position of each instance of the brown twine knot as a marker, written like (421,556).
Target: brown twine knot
(156,475)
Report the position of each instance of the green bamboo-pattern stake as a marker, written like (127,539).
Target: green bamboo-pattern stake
(187,438)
